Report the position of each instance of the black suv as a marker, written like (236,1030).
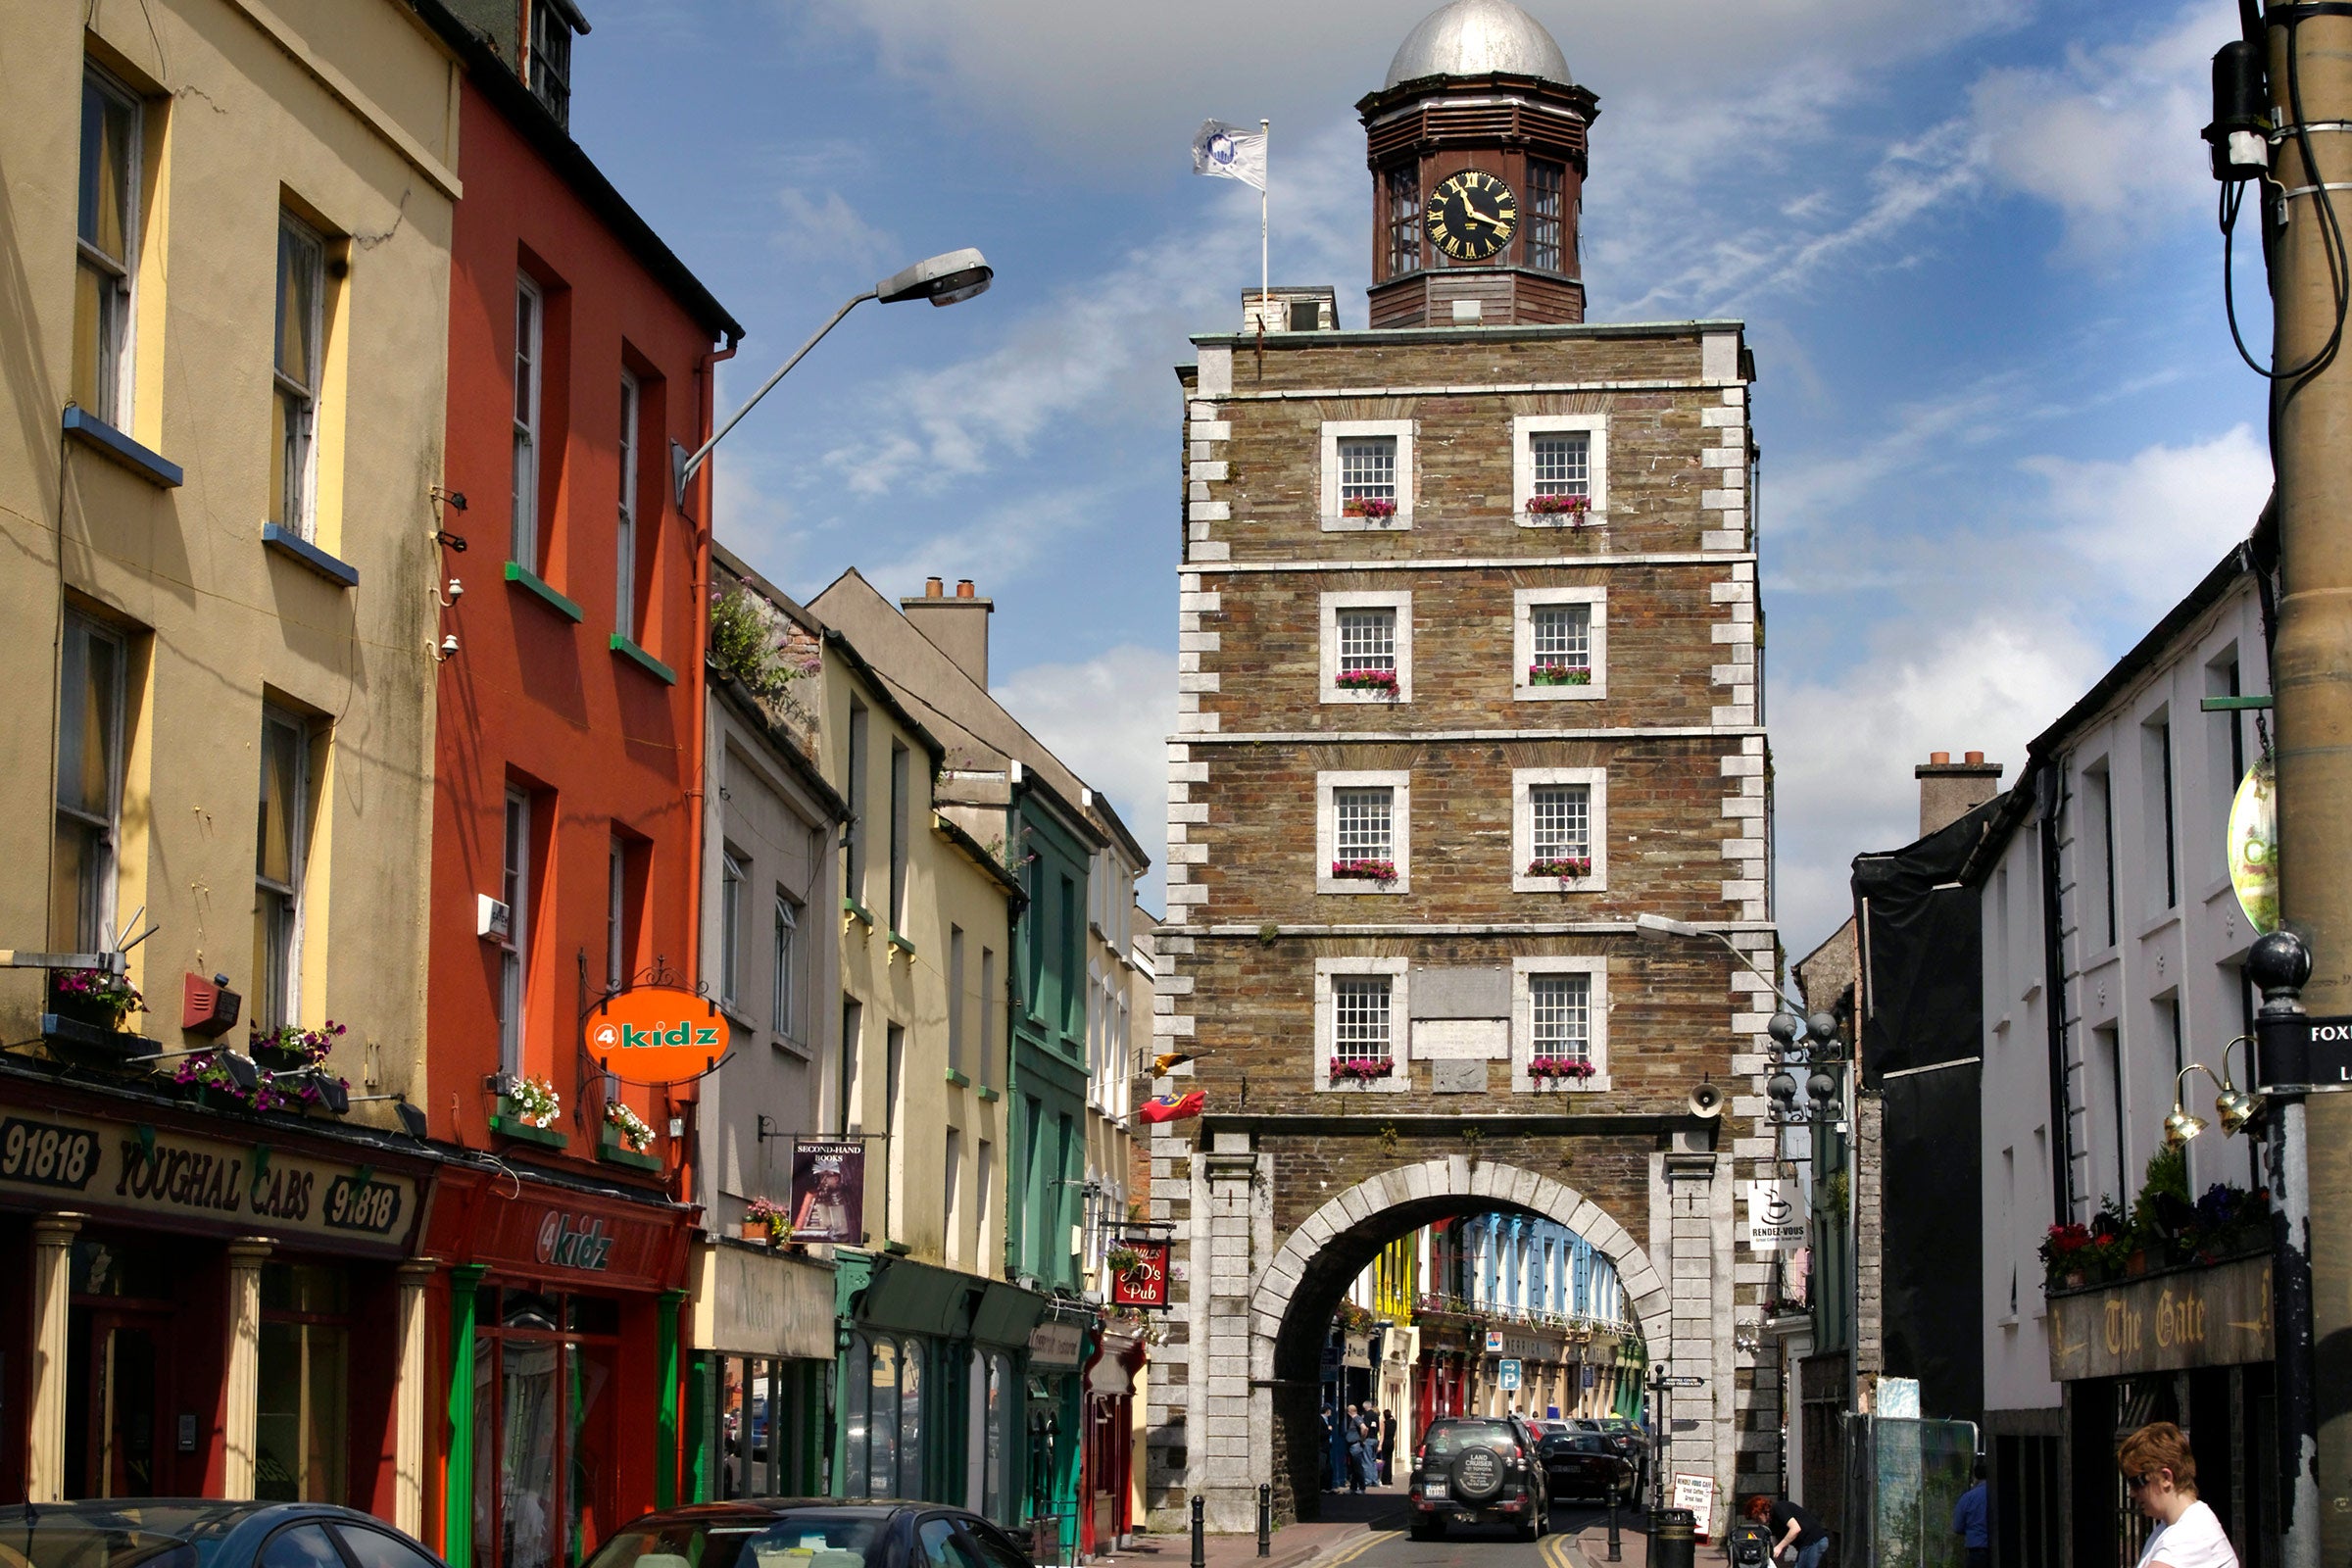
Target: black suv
(1479,1470)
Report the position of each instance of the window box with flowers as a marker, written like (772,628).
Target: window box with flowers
(528,1111)
(1560,466)
(83,1023)
(1560,644)
(1559,1071)
(1559,511)
(1367,475)
(1566,869)
(1560,1025)
(1361,1035)
(1559,674)
(1363,832)
(291,1047)
(1559,830)
(626,1139)
(766,1222)
(1362,1069)
(1366,653)
(1381,681)
(1363,870)
(1375,511)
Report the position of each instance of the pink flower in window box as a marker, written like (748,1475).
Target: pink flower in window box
(1364,871)
(1367,680)
(1551,1067)
(1376,509)
(1550,675)
(1563,865)
(1362,1069)
(1574,509)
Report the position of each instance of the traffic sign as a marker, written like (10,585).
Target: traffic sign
(1506,1374)
(1681,1383)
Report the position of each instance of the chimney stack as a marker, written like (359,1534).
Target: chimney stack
(956,624)
(1948,791)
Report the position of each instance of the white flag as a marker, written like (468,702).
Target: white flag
(1233,151)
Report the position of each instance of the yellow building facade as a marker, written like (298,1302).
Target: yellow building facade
(225,273)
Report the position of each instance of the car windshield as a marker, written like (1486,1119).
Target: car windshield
(801,1539)
(1450,1438)
(1583,1443)
(162,1536)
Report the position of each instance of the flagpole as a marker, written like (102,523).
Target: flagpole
(1265,271)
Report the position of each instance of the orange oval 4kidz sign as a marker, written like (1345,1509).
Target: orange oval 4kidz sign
(657,1035)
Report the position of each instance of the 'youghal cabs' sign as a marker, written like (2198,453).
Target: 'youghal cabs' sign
(657,1035)
(71,1162)
(2218,1317)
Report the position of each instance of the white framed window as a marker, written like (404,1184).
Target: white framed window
(514,891)
(1560,644)
(1361,1043)
(277,866)
(733,871)
(294,411)
(784,999)
(106,245)
(1564,459)
(1367,466)
(1560,817)
(1560,1023)
(1364,823)
(529,315)
(624,540)
(1367,648)
(89,786)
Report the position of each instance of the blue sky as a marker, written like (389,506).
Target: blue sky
(2003,427)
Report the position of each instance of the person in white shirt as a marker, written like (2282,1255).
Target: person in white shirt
(2162,1475)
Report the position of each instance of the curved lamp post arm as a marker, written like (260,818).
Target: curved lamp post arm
(683,467)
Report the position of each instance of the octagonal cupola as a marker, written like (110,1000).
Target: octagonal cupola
(1476,143)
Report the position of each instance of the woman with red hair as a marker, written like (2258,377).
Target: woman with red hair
(2162,1476)
(1793,1529)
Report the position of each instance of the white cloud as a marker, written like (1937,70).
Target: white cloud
(829,229)
(2109,138)
(1844,748)
(2155,523)
(1108,719)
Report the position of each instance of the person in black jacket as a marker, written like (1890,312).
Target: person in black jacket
(1387,1449)
(1795,1533)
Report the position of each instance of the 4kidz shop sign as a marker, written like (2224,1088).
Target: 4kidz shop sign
(656,1034)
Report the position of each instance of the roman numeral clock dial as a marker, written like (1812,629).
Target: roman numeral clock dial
(1471,215)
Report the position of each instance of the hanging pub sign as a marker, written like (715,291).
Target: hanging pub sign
(828,1190)
(1145,1281)
(2254,847)
(657,1035)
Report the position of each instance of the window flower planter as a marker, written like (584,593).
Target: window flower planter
(535,1103)
(1559,674)
(1574,511)
(1383,681)
(767,1221)
(1562,867)
(1362,1069)
(1363,870)
(626,1128)
(93,996)
(1559,1069)
(1372,508)
(293,1049)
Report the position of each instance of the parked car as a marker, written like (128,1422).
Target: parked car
(1583,1464)
(1476,1470)
(806,1533)
(202,1533)
(1632,1442)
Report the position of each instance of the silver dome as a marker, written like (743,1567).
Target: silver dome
(1473,38)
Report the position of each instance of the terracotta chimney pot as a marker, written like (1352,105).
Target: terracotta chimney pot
(1940,758)
(963,587)
(1975,758)
(932,588)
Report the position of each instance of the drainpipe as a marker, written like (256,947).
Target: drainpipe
(2050,800)
(706,526)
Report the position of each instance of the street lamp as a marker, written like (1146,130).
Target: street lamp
(945,279)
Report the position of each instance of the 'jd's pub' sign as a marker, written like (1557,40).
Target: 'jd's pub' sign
(657,1035)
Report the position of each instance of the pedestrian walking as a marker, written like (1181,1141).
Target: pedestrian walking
(1797,1533)
(1330,1438)
(2162,1475)
(1387,1449)
(1971,1521)
(1367,1448)
(1352,1440)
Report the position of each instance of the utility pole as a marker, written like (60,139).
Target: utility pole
(2307,45)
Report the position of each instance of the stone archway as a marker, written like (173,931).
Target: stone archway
(1289,1308)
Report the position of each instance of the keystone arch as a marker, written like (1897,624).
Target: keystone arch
(1290,1310)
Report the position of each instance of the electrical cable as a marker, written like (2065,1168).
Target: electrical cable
(2339,267)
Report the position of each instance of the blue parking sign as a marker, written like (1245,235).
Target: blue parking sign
(1507,1374)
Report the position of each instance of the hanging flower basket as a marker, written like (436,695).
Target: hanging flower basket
(93,996)
(1559,674)
(1383,681)
(535,1101)
(1559,1069)
(1372,508)
(1363,870)
(635,1133)
(1561,867)
(1362,1069)
(293,1049)
(1571,510)
(1124,1262)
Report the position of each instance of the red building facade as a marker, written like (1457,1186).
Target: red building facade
(565,819)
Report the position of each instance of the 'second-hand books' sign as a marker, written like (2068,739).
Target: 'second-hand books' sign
(828,1190)
(657,1035)
(71,1162)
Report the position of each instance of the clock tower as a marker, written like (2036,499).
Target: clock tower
(1476,144)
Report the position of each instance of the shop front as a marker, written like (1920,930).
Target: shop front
(1107,1482)
(561,1360)
(762,1364)
(2189,1345)
(1440,1375)
(929,1381)
(206,1304)
(1059,1347)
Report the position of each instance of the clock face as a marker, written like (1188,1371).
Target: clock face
(1471,215)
